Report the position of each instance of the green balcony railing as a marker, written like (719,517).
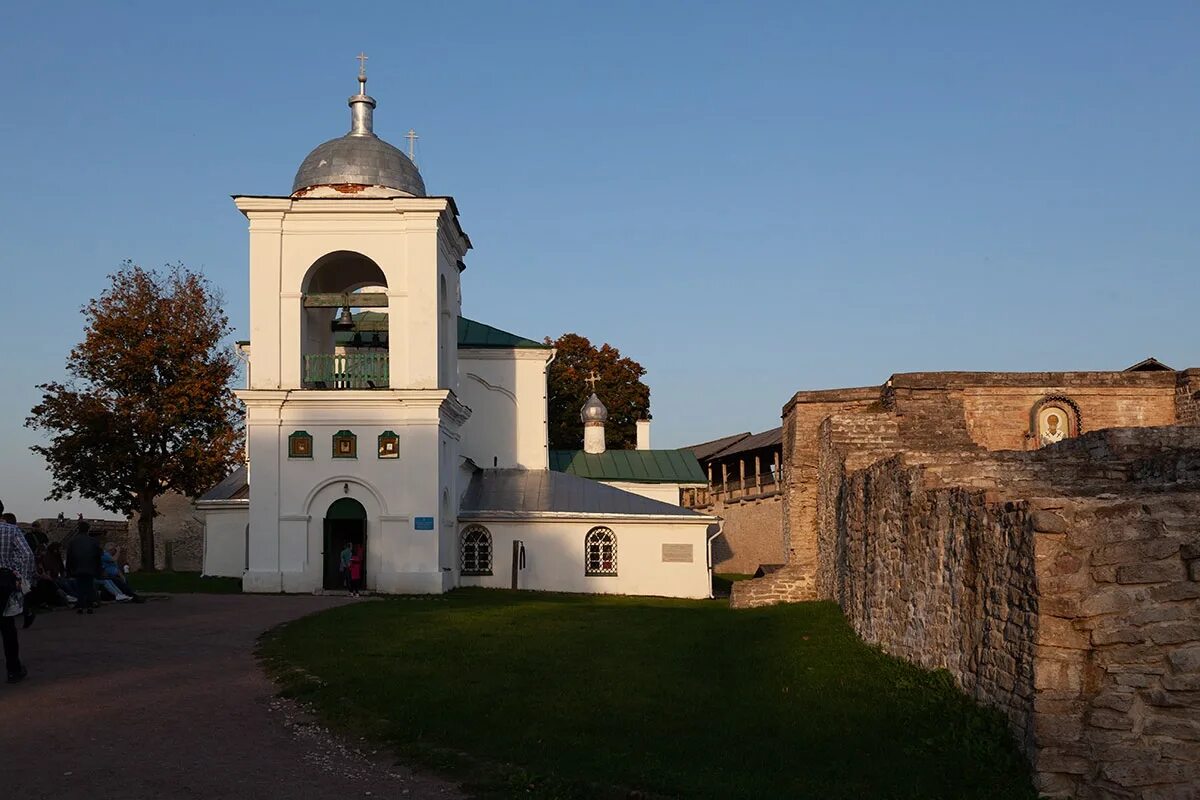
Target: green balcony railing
(346,371)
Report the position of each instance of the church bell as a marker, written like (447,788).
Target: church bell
(344,321)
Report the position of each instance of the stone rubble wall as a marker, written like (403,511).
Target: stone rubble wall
(1187,397)
(1117,661)
(1061,586)
(940,577)
(178,535)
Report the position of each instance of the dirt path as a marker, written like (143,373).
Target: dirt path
(166,699)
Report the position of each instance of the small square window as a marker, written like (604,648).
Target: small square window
(389,445)
(345,445)
(300,445)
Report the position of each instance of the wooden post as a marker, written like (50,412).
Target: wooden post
(778,474)
(757,476)
(742,475)
(516,564)
(724,477)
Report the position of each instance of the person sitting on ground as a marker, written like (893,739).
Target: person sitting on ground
(83,564)
(45,593)
(112,575)
(53,566)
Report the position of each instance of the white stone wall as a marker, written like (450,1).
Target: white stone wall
(225,539)
(290,496)
(506,392)
(554,557)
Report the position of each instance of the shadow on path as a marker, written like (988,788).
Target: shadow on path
(166,699)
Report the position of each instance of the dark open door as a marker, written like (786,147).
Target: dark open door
(345,523)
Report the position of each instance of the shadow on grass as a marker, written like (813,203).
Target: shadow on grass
(544,695)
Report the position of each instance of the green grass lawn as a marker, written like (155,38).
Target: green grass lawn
(183,582)
(568,696)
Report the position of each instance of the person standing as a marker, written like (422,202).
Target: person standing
(356,570)
(346,555)
(16,571)
(83,563)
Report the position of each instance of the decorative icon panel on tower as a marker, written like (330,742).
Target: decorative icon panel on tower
(389,445)
(300,445)
(345,445)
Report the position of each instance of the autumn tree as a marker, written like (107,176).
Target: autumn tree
(619,386)
(148,406)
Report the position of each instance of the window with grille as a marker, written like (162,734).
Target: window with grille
(476,551)
(600,552)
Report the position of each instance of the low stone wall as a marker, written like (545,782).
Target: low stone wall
(790,584)
(1062,587)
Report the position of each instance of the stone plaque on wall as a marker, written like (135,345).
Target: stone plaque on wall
(677,553)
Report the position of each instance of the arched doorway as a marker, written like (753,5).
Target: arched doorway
(345,523)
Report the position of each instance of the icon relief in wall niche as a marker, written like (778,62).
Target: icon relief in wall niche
(1052,425)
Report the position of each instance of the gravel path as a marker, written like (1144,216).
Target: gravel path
(166,699)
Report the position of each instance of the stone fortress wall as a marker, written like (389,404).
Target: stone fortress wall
(1060,585)
(178,535)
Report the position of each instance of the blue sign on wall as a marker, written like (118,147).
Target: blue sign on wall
(423,523)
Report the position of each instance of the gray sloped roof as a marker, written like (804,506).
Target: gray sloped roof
(758,441)
(706,450)
(532,491)
(234,487)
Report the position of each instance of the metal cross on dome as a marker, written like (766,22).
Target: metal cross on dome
(362,64)
(593,379)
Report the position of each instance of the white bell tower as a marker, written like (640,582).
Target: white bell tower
(353,418)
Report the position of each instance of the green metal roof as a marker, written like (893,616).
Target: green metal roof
(638,466)
(476,334)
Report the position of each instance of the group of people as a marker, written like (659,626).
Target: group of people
(37,573)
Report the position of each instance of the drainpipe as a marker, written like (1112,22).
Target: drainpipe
(708,547)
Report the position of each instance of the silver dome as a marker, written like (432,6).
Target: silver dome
(359,159)
(593,410)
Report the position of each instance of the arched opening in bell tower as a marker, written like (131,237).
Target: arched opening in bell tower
(344,323)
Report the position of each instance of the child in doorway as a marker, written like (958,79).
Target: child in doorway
(356,568)
(344,566)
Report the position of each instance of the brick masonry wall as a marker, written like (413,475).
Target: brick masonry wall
(1069,598)
(802,417)
(998,417)
(751,534)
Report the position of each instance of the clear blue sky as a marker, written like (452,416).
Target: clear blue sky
(748,198)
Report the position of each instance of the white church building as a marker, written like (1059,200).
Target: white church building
(376,415)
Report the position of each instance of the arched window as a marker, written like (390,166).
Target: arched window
(600,552)
(476,547)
